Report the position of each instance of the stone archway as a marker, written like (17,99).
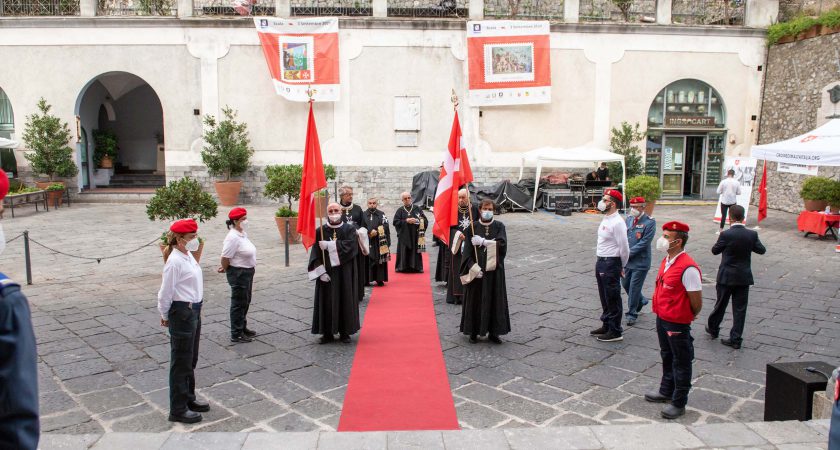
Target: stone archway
(126,106)
(8,162)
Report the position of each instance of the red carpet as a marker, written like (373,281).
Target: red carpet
(399,379)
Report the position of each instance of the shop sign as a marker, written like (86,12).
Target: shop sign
(690,121)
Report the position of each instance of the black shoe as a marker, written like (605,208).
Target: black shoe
(656,397)
(345,338)
(495,339)
(473,339)
(243,338)
(631,322)
(713,334)
(185,417)
(597,331)
(642,305)
(380,284)
(731,343)
(198,406)
(610,337)
(672,412)
(326,339)
(249,333)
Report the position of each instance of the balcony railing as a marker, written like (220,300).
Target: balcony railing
(332,7)
(708,12)
(610,11)
(428,8)
(39,7)
(136,8)
(233,7)
(524,9)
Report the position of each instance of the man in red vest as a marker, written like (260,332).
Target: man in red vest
(677,299)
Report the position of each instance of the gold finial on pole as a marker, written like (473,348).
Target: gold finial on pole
(454,100)
(311,93)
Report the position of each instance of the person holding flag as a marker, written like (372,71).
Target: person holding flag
(457,233)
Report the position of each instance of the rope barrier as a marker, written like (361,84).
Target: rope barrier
(89,258)
(14,238)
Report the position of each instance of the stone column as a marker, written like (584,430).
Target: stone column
(571,11)
(185,8)
(380,8)
(283,8)
(761,13)
(87,8)
(663,12)
(476,9)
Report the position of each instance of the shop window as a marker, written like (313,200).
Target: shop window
(686,104)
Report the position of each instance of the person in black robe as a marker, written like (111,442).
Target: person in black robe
(331,266)
(485,309)
(454,287)
(379,235)
(410,223)
(351,213)
(442,266)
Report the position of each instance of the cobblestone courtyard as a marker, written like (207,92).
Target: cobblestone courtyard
(103,358)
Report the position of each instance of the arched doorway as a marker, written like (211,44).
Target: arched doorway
(686,139)
(125,107)
(8,163)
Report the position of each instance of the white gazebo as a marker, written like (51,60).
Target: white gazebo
(584,156)
(819,147)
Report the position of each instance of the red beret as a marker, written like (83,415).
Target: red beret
(237,213)
(614,194)
(637,200)
(4,184)
(675,226)
(184,226)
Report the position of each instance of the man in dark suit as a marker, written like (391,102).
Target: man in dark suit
(734,275)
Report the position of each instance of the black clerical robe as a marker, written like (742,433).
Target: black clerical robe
(442,266)
(352,214)
(485,308)
(454,287)
(336,306)
(409,258)
(377,261)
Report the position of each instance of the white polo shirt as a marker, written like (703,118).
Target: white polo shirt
(182,281)
(239,250)
(612,238)
(691,277)
(729,189)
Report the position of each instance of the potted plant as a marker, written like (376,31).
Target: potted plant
(284,185)
(46,137)
(227,153)
(106,147)
(182,199)
(55,194)
(623,142)
(834,198)
(647,187)
(817,192)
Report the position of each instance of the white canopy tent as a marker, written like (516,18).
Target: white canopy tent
(584,156)
(8,143)
(820,147)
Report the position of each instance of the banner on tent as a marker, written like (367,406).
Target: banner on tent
(798,168)
(745,173)
(509,62)
(301,54)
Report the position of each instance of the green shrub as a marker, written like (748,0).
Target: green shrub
(830,18)
(623,142)
(817,188)
(105,144)
(643,186)
(47,137)
(181,199)
(227,150)
(55,187)
(284,181)
(285,212)
(776,32)
(834,195)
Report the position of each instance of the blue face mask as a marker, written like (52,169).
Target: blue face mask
(486,215)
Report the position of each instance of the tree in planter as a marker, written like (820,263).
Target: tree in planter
(284,185)
(227,153)
(106,144)
(623,142)
(182,199)
(644,186)
(817,192)
(47,138)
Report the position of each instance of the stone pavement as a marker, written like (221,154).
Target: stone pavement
(103,358)
(761,435)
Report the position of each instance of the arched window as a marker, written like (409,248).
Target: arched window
(687,103)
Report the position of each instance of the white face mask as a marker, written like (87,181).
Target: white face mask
(602,205)
(334,218)
(2,239)
(662,244)
(244,224)
(486,215)
(193,245)
(635,212)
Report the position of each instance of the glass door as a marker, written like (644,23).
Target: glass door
(673,163)
(83,156)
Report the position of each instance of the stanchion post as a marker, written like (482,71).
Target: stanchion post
(286,242)
(26,257)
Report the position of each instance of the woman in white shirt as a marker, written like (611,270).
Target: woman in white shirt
(179,303)
(239,258)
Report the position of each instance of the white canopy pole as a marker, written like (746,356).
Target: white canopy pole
(623,186)
(536,186)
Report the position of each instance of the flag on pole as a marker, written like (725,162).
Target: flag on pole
(762,192)
(312,181)
(456,171)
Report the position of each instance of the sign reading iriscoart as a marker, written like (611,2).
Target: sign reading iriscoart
(689,121)
(509,62)
(301,53)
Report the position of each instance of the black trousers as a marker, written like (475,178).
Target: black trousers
(184,333)
(19,426)
(724,213)
(608,275)
(676,347)
(740,298)
(241,281)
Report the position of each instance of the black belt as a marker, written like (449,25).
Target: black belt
(607,258)
(188,305)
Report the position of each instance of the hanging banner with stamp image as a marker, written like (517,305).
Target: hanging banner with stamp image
(301,53)
(509,62)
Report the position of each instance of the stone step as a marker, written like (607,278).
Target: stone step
(116,195)
(764,435)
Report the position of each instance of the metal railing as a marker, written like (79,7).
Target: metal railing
(39,7)
(136,8)
(708,12)
(233,7)
(428,8)
(332,7)
(613,11)
(524,9)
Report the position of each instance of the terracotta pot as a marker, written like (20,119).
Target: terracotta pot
(294,236)
(106,162)
(813,31)
(825,31)
(835,209)
(649,207)
(196,254)
(55,198)
(786,39)
(228,192)
(815,205)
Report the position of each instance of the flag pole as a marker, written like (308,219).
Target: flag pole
(311,93)
(454,100)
